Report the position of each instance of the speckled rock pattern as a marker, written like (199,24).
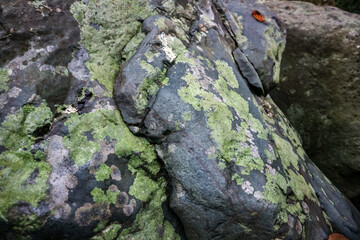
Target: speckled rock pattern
(319,89)
(152,124)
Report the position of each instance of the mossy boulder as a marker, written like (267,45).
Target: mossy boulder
(151,120)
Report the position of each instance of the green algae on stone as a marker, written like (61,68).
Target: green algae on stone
(4,78)
(106,28)
(150,222)
(103,173)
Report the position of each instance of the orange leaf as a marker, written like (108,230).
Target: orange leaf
(258,16)
(337,236)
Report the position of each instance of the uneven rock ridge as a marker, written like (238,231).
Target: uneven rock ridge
(151,120)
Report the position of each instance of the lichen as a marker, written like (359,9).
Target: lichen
(143,187)
(108,233)
(132,45)
(21,177)
(149,222)
(102,124)
(106,124)
(220,117)
(103,173)
(100,196)
(186,116)
(150,85)
(223,111)
(4,78)
(274,50)
(27,223)
(106,28)
(16,132)
(239,180)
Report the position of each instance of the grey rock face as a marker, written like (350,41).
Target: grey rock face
(319,88)
(161,129)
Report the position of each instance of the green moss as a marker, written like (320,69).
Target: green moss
(106,28)
(100,196)
(150,221)
(103,173)
(4,78)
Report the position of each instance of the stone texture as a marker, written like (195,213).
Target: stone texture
(161,128)
(319,88)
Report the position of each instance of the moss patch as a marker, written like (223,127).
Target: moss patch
(106,28)
(21,177)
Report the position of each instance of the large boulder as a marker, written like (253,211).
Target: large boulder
(319,88)
(156,125)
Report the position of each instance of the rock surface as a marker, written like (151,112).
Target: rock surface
(148,120)
(319,89)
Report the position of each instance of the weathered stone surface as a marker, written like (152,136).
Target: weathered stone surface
(319,89)
(181,145)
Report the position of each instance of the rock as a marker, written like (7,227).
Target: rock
(319,88)
(159,130)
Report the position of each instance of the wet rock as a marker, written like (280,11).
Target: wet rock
(162,130)
(319,90)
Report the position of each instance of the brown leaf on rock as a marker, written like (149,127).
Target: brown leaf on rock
(337,236)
